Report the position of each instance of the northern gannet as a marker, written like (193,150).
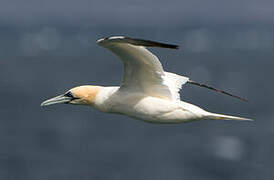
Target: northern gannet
(147,92)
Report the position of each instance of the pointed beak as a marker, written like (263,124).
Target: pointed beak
(57,100)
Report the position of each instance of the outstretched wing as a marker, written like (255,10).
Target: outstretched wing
(143,71)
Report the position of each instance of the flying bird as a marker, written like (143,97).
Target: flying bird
(147,92)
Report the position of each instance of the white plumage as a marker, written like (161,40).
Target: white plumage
(174,83)
(147,92)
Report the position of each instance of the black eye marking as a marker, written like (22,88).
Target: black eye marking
(69,94)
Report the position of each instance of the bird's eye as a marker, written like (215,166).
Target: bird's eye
(69,94)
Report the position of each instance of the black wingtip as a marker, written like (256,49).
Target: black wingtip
(149,43)
(217,90)
(137,42)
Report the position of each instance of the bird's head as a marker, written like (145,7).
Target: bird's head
(83,95)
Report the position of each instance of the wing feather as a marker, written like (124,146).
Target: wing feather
(143,72)
(175,82)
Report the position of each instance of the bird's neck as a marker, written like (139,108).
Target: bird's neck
(104,99)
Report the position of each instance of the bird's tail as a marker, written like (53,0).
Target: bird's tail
(215,116)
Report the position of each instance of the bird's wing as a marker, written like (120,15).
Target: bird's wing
(143,72)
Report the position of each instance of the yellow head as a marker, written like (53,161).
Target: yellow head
(84,95)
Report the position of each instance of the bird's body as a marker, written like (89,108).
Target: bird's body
(147,92)
(147,108)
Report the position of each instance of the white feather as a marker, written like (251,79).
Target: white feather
(174,83)
(143,72)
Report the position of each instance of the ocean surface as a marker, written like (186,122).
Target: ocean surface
(76,142)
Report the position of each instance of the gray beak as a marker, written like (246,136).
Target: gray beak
(57,100)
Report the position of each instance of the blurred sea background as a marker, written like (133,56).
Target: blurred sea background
(48,47)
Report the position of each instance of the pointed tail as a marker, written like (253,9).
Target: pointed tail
(215,116)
